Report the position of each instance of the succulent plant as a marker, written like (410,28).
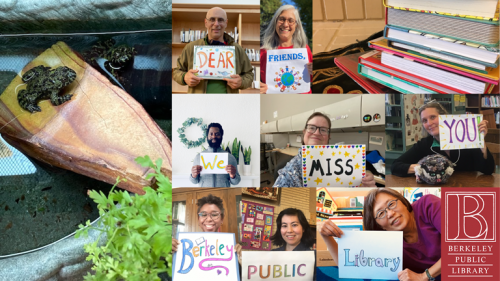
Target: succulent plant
(236,150)
(246,154)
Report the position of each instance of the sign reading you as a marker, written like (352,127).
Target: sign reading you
(370,254)
(460,131)
(213,163)
(205,256)
(286,71)
(278,265)
(333,165)
(214,62)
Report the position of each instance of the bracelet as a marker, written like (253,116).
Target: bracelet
(429,276)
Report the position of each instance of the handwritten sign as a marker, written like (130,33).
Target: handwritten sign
(370,254)
(213,163)
(214,62)
(286,71)
(205,256)
(333,165)
(460,131)
(278,265)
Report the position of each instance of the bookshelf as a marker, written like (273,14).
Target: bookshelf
(191,16)
(474,105)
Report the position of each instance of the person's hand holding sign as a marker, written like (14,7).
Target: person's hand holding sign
(191,79)
(408,275)
(234,82)
(309,67)
(195,171)
(231,170)
(330,229)
(263,88)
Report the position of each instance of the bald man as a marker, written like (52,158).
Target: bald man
(216,23)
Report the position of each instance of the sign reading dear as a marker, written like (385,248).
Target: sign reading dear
(214,62)
(370,254)
(205,256)
(213,163)
(286,71)
(278,265)
(333,165)
(460,131)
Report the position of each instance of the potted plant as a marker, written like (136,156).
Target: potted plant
(236,150)
(247,169)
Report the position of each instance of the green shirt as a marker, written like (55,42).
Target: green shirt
(216,87)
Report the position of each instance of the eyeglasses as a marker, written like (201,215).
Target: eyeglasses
(390,205)
(213,215)
(219,20)
(311,129)
(283,19)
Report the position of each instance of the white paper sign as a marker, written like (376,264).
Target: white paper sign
(205,256)
(286,71)
(278,265)
(460,131)
(213,163)
(333,165)
(214,62)
(370,254)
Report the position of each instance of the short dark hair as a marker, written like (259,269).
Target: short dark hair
(369,221)
(316,114)
(211,199)
(307,237)
(216,125)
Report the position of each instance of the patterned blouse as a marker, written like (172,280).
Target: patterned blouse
(291,174)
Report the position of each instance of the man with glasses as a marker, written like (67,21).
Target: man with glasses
(214,139)
(215,23)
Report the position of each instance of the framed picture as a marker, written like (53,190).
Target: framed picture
(269,193)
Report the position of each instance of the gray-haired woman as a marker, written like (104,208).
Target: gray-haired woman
(283,32)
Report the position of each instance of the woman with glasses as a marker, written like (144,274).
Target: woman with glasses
(386,209)
(283,32)
(479,159)
(210,219)
(316,132)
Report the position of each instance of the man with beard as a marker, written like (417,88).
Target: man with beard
(184,74)
(214,138)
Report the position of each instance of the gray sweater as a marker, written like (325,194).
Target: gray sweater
(216,180)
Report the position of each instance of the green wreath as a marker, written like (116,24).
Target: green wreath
(187,123)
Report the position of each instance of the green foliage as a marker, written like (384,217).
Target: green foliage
(246,154)
(227,148)
(305,12)
(236,150)
(267,9)
(139,231)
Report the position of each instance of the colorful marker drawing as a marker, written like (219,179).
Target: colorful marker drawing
(286,71)
(214,63)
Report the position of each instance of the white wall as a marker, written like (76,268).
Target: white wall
(239,116)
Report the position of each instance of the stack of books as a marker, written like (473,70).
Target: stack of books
(492,101)
(436,46)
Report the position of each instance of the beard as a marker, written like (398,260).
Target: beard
(215,144)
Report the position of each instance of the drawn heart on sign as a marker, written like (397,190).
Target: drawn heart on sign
(305,185)
(344,146)
(348,146)
(327,146)
(304,168)
(336,146)
(323,146)
(307,146)
(363,174)
(219,271)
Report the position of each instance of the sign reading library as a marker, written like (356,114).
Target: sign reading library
(460,131)
(278,265)
(205,256)
(333,165)
(371,254)
(286,71)
(214,62)
(213,163)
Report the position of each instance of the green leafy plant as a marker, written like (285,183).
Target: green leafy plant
(139,231)
(236,150)
(227,148)
(246,154)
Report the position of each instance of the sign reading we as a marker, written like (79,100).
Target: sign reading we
(214,62)
(213,163)
(460,131)
(278,265)
(333,165)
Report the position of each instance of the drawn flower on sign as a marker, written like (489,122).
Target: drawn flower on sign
(205,72)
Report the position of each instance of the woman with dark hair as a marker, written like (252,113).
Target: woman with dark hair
(293,232)
(478,159)
(316,132)
(386,209)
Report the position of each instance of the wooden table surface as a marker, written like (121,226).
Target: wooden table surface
(458,179)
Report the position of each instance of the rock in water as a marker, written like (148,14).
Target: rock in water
(98,133)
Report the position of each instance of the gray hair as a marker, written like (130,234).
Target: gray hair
(271,39)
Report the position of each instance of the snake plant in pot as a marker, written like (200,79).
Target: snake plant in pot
(246,159)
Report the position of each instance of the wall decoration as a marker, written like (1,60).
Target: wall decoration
(214,62)
(460,131)
(325,205)
(192,121)
(270,193)
(278,265)
(286,71)
(258,230)
(333,165)
(413,128)
(193,260)
(213,163)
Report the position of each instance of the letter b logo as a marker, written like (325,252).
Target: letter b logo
(470,216)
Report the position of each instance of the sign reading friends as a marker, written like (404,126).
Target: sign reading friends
(213,163)
(460,131)
(333,165)
(214,62)
(278,265)
(205,256)
(286,71)
(360,257)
